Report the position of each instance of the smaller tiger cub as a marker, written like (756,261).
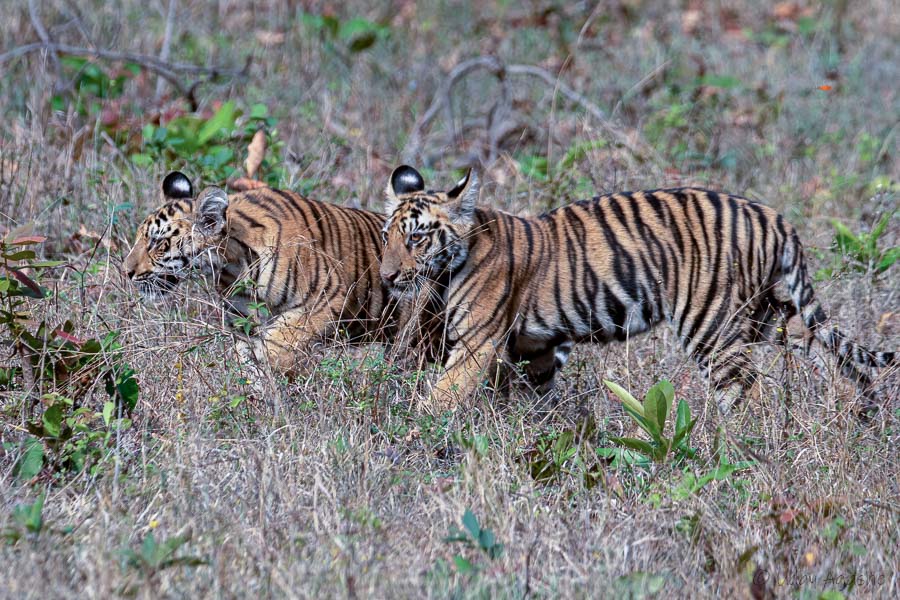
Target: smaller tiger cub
(314,265)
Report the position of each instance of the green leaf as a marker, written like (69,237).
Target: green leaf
(52,419)
(681,435)
(888,258)
(481,445)
(682,418)
(625,396)
(108,409)
(470,522)
(486,539)
(639,445)
(879,229)
(141,160)
(46,264)
(463,566)
(658,403)
(32,459)
(259,111)
(846,240)
(20,255)
(222,120)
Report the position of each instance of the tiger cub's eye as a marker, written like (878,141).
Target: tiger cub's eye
(416,238)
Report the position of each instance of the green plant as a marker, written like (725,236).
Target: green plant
(61,369)
(92,84)
(154,556)
(559,453)
(690,483)
(474,536)
(207,145)
(860,252)
(356,34)
(651,417)
(28,519)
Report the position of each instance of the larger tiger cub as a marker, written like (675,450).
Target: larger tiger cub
(314,265)
(525,289)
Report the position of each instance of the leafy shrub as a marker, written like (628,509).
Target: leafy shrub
(207,145)
(61,369)
(651,417)
(860,251)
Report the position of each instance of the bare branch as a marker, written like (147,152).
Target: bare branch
(43,35)
(493,65)
(166,45)
(171,72)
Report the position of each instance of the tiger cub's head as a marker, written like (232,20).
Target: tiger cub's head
(426,232)
(174,238)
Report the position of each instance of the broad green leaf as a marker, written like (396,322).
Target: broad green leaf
(681,435)
(634,444)
(626,397)
(486,539)
(481,445)
(223,119)
(259,111)
(141,160)
(470,522)
(682,417)
(108,409)
(20,255)
(658,403)
(52,419)
(32,460)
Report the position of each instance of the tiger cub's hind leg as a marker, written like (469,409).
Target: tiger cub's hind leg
(541,369)
(729,364)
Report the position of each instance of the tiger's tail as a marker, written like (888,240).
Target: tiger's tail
(796,278)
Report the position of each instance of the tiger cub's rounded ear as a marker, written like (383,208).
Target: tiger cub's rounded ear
(461,200)
(177,185)
(212,205)
(405,180)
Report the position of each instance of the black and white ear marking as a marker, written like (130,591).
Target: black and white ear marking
(405,180)
(460,185)
(463,198)
(212,203)
(177,185)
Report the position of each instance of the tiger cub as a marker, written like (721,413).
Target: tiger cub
(525,289)
(314,265)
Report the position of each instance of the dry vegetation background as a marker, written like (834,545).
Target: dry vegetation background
(341,487)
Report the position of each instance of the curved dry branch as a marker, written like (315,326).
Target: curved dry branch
(493,65)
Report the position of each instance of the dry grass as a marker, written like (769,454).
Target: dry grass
(342,487)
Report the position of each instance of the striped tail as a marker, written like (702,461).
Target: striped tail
(797,281)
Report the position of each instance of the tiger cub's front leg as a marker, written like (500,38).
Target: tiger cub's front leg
(466,369)
(285,337)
